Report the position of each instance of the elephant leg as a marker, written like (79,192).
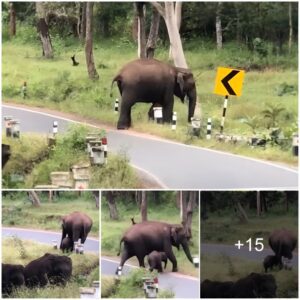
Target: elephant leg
(151,113)
(43,279)
(173,260)
(141,261)
(64,234)
(168,109)
(125,113)
(124,257)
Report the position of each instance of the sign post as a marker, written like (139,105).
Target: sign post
(228,82)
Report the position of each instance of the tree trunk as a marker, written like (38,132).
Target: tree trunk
(83,22)
(141,36)
(178,200)
(92,72)
(34,198)
(113,212)
(241,212)
(168,13)
(238,22)
(290,27)
(178,14)
(188,205)
(219,26)
(153,34)
(96,197)
(12,20)
(144,206)
(258,203)
(43,30)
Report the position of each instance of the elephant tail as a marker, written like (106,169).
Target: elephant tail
(118,77)
(122,240)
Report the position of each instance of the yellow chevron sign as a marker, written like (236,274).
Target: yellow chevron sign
(229,82)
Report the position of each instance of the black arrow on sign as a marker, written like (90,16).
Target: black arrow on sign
(228,78)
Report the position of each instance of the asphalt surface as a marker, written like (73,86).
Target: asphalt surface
(182,286)
(243,253)
(46,237)
(176,166)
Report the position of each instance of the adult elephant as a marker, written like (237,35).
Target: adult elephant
(254,285)
(145,237)
(76,226)
(12,277)
(283,242)
(152,81)
(50,268)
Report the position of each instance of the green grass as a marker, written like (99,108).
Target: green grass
(85,269)
(225,268)
(224,227)
(57,84)
(129,287)
(32,161)
(112,231)
(18,211)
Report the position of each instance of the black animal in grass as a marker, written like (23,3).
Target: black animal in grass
(48,269)
(12,277)
(254,285)
(6,153)
(75,63)
(271,261)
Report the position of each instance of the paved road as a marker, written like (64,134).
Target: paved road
(243,253)
(182,286)
(45,237)
(176,165)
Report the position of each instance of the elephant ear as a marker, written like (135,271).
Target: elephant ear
(180,81)
(174,235)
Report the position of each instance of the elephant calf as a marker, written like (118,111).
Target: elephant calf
(50,268)
(12,277)
(270,261)
(67,245)
(155,260)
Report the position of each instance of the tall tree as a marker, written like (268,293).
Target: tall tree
(178,16)
(290,27)
(111,201)
(258,203)
(140,8)
(153,34)
(141,200)
(34,198)
(219,34)
(167,11)
(92,72)
(81,20)
(43,30)
(12,20)
(188,204)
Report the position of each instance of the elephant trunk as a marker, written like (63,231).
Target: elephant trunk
(192,96)
(187,252)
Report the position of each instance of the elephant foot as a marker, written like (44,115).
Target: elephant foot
(175,269)
(122,127)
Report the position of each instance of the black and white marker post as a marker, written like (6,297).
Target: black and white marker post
(224,114)
(116,106)
(208,129)
(55,128)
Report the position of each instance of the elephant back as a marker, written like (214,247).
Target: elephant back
(283,242)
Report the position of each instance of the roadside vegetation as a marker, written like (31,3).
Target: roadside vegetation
(130,286)
(162,210)
(18,210)
(33,160)
(267,108)
(85,269)
(226,268)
